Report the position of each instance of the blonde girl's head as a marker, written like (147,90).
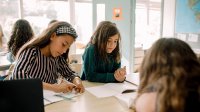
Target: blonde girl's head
(171,69)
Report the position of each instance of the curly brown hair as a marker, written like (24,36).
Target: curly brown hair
(1,37)
(21,33)
(43,39)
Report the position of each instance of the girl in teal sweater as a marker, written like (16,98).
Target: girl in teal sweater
(101,59)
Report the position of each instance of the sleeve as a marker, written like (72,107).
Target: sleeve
(24,64)
(116,66)
(90,68)
(65,70)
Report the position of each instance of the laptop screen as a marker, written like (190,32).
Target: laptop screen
(25,95)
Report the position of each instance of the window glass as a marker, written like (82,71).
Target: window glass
(39,13)
(83,24)
(100,13)
(9,10)
(140,23)
(147,29)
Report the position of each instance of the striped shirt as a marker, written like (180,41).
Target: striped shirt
(33,64)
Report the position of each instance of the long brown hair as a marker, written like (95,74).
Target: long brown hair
(171,69)
(44,38)
(1,36)
(21,33)
(103,32)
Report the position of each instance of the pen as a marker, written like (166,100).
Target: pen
(65,98)
(131,82)
(128,91)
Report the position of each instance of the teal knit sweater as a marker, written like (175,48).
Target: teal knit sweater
(98,71)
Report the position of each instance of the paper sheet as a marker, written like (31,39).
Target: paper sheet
(101,91)
(126,99)
(133,78)
(52,97)
(110,89)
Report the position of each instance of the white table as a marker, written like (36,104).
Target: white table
(88,103)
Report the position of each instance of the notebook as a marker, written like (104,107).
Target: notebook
(25,95)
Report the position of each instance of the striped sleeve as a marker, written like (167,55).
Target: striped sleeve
(24,64)
(65,70)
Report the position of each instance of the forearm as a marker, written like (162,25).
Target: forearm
(50,87)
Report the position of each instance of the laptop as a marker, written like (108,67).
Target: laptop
(24,95)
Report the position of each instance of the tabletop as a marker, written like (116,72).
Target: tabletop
(88,103)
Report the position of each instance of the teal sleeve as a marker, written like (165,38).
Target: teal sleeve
(90,68)
(117,65)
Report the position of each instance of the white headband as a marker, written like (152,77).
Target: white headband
(66,30)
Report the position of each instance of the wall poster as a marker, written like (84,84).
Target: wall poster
(187,16)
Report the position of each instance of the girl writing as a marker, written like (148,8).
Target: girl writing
(45,58)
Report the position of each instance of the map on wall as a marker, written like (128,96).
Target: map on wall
(187,16)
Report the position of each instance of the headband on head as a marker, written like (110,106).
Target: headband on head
(66,30)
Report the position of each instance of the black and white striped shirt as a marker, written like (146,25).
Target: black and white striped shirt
(33,64)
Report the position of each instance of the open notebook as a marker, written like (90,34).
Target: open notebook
(111,89)
(21,96)
(52,97)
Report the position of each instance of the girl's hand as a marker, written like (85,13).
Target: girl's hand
(79,86)
(120,74)
(122,70)
(63,87)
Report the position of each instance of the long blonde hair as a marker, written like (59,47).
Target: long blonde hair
(171,69)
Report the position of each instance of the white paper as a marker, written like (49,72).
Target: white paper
(52,97)
(110,89)
(120,87)
(133,78)
(46,102)
(49,97)
(126,99)
(67,95)
(101,91)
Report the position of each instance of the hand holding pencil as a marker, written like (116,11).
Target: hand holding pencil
(120,74)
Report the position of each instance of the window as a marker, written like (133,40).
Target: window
(148,15)
(83,24)
(39,13)
(9,14)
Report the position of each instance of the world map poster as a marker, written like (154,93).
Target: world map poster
(187,16)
